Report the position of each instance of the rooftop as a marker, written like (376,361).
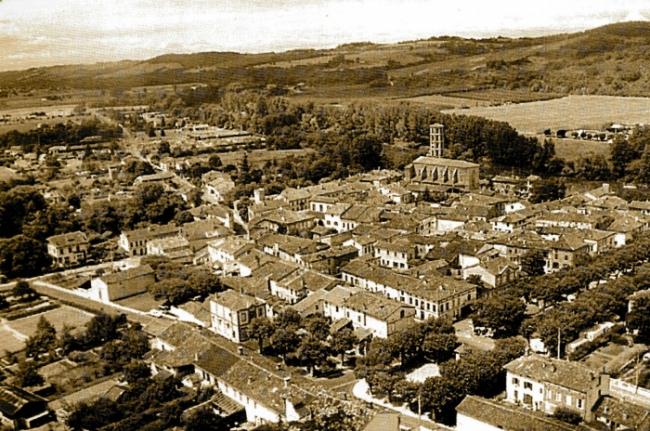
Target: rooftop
(572,375)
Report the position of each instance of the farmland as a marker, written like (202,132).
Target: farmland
(574,149)
(568,112)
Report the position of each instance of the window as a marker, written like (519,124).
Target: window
(515,381)
(528,385)
(558,397)
(580,403)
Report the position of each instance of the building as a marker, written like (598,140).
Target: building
(216,186)
(20,409)
(232,313)
(123,284)
(380,315)
(481,414)
(135,241)
(432,297)
(544,384)
(68,249)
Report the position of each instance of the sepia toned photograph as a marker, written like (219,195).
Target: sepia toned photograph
(324,215)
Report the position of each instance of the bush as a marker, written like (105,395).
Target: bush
(567,415)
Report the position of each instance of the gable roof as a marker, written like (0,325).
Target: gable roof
(126,275)
(572,375)
(507,417)
(14,399)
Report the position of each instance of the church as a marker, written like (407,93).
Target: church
(439,173)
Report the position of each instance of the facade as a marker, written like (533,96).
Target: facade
(68,249)
(123,284)
(135,241)
(545,384)
(232,312)
(380,315)
(445,173)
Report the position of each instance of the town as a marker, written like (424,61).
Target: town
(408,299)
(439,234)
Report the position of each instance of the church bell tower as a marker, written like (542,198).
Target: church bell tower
(436,140)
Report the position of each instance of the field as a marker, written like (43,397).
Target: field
(574,149)
(10,342)
(58,317)
(258,158)
(568,112)
(443,100)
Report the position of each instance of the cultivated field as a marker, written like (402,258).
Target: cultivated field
(58,317)
(568,112)
(444,100)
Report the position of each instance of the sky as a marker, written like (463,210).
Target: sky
(49,32)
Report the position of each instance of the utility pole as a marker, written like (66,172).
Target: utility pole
(559,342)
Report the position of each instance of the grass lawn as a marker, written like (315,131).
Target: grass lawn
(58,317)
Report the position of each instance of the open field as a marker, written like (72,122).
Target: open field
(496,96)
(444,100)
(258,158)
(58,317)
(574,149)
(568,112)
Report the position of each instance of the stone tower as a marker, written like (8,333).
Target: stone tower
(436,140)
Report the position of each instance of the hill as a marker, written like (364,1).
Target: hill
(607,60)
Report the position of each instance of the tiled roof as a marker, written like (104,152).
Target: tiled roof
(234,300)
(572,375)
(215,360)
(624,413)
(508,417)
(13,399)
(129,274)
(436,161)
(377,306)
(68,239)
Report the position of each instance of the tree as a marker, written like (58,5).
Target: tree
(23,290)
(440,398)
(93,416)
(214,162)
(407,343)
(102,328)
(289,319)
(639,319)
(136,371)
(22,256)
(343,341)
(204,419)
(67,340)
(318,326)
(3,302)
(621,154)
(503,313)
(313,353)
(43,340)
(567,415)
(532,263)
(547,190)
(284,341)
(27,374)
(644,166)
(439,347)
(261,328)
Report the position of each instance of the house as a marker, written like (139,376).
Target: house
(225,252)
(494,272)
(266,396)
(618,414)
(299,284)
(297,199)
(284,221)
(376,313)
(510,222)
(565,252)
(135,241)
(122,284)
(232,313)
(432,297)
(159,177)
(289,248)
(68,249)
(194,312)
(482,414)
(216,186)
(545,384)
(175,248)
(508,185)
(20,409)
